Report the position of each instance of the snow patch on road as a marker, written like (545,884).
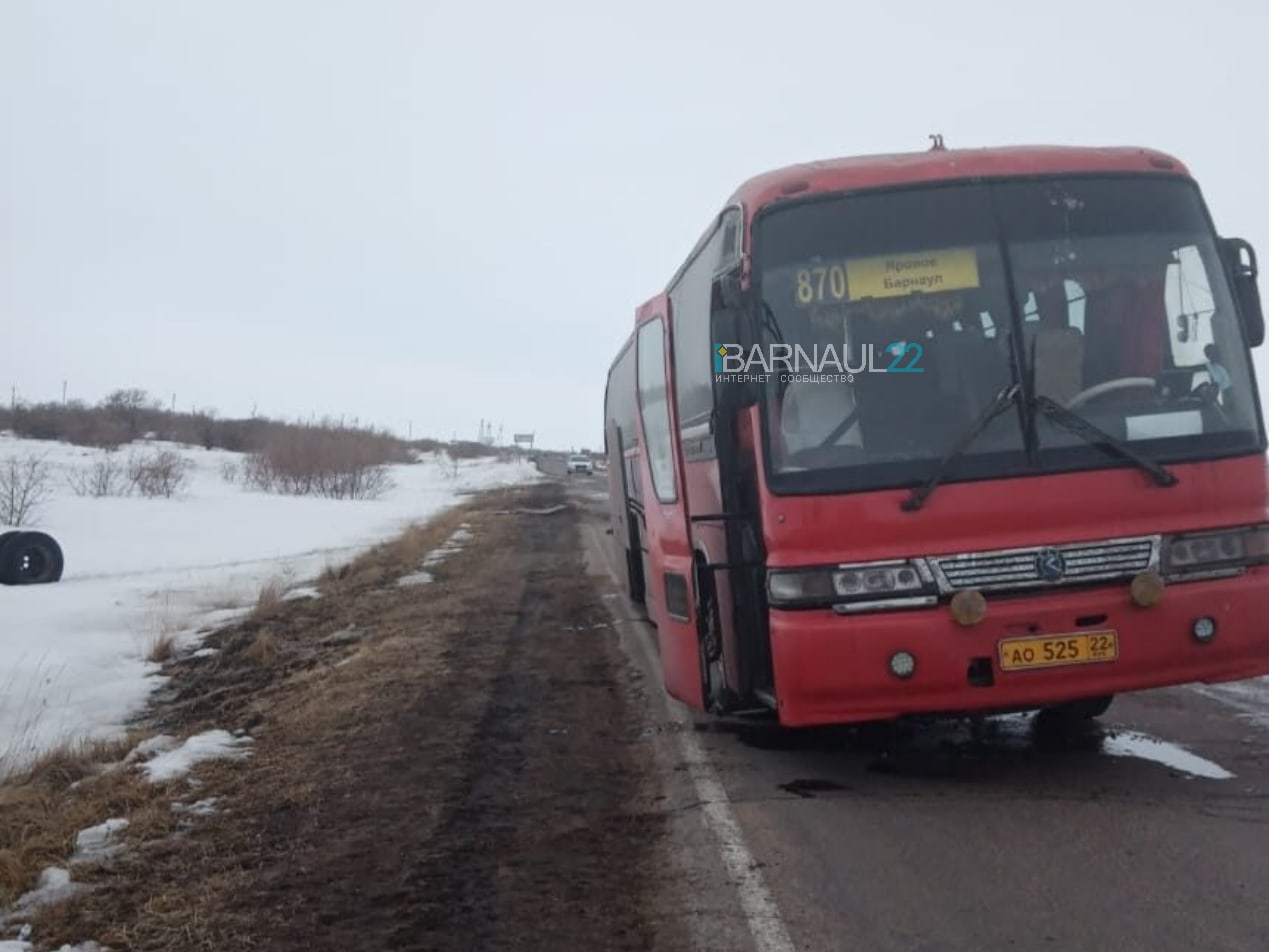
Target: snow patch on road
(1132,744)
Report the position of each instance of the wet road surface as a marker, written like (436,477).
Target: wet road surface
(1145,830)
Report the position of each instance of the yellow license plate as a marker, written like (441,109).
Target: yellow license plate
(1050,651)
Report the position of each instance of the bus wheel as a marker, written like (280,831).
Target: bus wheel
(1084,709)
(634,568)
(634,576)
(714,691)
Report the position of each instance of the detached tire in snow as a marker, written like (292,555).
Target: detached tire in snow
(30,558)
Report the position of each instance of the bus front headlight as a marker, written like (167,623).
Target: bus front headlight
(1228,548)
(841,584)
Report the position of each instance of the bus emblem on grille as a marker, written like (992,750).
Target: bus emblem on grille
(1050,565)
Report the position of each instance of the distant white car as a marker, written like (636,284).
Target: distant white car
(580,464)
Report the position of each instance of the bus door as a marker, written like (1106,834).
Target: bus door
(626,506)
(668,583)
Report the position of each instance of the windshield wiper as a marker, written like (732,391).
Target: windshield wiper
(769,321)
(1006,398)
(1074,423)
(1061,416)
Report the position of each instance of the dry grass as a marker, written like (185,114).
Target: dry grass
(385,563)
(277,676)
(66,790)
(405,553)
(162,648)
(270,599)
(263,649)
(158,633)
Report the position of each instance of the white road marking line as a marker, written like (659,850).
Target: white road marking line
(762,915)
(761,912)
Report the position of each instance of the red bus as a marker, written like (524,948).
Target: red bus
(948,432)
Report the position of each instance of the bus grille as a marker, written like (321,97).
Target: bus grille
(1044,566)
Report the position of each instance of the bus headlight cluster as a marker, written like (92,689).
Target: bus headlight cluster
(863,582)
(1197,551)
(877,580)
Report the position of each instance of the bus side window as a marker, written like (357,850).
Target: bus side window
(655,408)
(1075,298)
(1189,306)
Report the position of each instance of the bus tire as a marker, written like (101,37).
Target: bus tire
(716,697)
(30,558)
(1085,709)
(634,567)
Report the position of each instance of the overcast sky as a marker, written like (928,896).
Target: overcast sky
(425,214)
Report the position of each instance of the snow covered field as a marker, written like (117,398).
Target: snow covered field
(73,662)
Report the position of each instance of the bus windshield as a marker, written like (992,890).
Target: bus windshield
(893,319)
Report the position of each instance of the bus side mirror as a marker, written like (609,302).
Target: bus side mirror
(731,342)
(1240,258)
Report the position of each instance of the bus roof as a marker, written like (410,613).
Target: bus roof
(931,165)
(873,171)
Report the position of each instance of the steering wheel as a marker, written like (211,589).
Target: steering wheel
(1109,386)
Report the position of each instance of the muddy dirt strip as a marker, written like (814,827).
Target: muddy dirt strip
(455,761)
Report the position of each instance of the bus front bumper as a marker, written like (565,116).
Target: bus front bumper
(832,668)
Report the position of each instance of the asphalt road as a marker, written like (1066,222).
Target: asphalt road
(1149,830)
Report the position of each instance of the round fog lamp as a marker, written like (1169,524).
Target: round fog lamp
(968,607)
(902,664)
(1204,629)
(1147,588)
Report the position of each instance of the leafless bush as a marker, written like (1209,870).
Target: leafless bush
(358,482)
(129,413)
(323,461)
(25,486)
(257,473)
(161,473)
(106,477)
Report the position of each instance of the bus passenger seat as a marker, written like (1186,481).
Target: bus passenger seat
(1059,347)
(812,411)
(1059,363)
(975,370)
